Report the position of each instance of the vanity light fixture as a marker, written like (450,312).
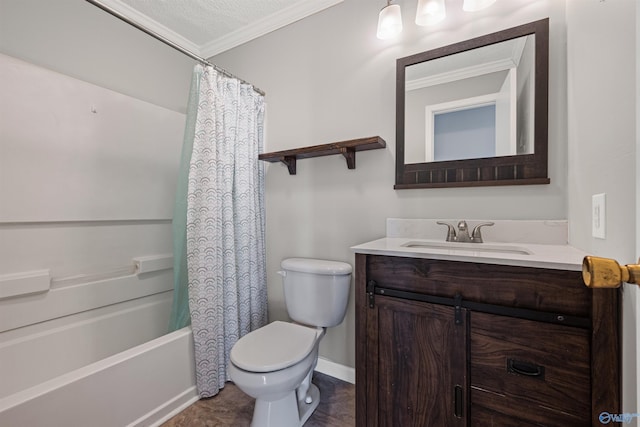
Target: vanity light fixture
(430,12)
(389,21)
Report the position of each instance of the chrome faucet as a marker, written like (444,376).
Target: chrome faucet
(463,232)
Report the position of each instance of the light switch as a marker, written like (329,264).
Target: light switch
(598,215)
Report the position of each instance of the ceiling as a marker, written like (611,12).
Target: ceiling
(209,27)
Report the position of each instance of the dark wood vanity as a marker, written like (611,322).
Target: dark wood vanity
(450,343)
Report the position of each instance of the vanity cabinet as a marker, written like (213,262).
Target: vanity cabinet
(451,343)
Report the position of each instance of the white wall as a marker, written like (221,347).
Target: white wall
(601,45)
(328,78)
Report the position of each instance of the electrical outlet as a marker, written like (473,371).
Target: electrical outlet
(598,215)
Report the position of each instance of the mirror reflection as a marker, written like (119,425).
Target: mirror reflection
(475,113)
(474,104)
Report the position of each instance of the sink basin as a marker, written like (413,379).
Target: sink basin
(469,247)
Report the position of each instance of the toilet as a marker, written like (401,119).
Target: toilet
(274,364)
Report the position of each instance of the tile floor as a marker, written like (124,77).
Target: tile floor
(231,407)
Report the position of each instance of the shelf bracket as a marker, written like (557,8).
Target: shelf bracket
(290,162)
(349,154)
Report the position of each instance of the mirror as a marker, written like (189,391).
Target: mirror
(475,113)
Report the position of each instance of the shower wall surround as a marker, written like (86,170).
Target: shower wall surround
(87,187)
(91,132)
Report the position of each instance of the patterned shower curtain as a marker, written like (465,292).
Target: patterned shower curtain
(225,244)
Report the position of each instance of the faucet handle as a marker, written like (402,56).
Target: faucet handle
(476,235)
(451,231)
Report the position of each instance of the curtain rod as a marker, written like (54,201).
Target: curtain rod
(168,42)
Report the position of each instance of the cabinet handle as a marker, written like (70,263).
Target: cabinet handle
(458,404)
(525,368)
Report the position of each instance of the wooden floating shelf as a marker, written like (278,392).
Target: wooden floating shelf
(346,148)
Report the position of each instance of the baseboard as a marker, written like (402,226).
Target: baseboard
(169,409)
(336,370)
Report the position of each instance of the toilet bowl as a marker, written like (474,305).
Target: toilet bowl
(275,364)
(281,382)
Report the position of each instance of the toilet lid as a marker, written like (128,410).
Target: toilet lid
(316,266)
(275,346)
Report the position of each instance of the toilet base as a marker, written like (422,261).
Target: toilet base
(286,412)
(306,409)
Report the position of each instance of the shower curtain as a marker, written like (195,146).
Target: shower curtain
(223,209)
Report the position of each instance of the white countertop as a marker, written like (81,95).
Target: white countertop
(553,256)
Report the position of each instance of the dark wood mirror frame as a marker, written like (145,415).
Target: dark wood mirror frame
(505,170)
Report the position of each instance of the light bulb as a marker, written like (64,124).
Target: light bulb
(389,21)
(430,12)
(475,5)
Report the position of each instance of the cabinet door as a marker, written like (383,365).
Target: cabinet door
(420,364)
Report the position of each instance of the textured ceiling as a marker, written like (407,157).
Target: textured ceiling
(209,27)
(204,20)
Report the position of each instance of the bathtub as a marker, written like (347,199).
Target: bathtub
(94,353)
(142,386)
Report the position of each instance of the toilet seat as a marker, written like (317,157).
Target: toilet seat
(275,346)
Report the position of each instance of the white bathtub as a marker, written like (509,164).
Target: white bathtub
(98,359)
(142,386)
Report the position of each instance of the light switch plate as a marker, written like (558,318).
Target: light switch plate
(598,215)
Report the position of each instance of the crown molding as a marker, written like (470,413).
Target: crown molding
(287,16)
(462,73)
(151,24)
(511,61)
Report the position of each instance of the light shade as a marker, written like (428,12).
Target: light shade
(430,12)
(389,21)
(474,5)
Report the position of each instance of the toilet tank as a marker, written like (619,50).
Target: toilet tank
(316,292)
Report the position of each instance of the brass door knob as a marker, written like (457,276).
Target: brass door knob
(607,273)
